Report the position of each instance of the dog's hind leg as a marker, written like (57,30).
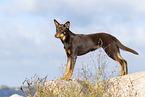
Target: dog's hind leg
(124,63)
(113,52)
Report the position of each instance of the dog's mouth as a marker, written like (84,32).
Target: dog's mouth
(60,35)
(56,35)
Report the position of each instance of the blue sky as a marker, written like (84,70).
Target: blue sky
(28,45)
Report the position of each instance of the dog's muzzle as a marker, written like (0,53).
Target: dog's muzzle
(57,35)
(60,35)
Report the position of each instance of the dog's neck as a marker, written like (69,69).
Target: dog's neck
(68,39)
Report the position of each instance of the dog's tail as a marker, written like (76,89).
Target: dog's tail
(120,45)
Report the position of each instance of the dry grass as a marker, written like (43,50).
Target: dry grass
(93,73)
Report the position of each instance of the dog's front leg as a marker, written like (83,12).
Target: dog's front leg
(67,67)
(70,67)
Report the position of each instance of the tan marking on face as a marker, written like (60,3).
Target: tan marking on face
(68,51)
(62,36)
(57,35)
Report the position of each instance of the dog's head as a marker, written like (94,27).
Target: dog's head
(61,29)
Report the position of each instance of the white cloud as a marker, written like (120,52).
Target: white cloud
(25,5)
(112,16)
(6,9)
(139,36)
(29,41)
(84,8)
(37,6)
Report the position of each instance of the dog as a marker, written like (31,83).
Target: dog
(80,44)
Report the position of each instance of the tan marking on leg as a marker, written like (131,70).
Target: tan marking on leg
(70,67)
(67,68)
(67,51)
(125,68)
(69,75)
(119,56)
(125,73)
(122,72)
(125,65)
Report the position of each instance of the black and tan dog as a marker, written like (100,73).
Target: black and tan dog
(79,44)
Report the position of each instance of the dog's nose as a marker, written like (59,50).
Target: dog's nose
(56,35)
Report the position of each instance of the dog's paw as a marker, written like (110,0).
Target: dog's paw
(65,78)
(62,77)
(122,73)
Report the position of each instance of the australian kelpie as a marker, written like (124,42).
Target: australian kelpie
(79,44)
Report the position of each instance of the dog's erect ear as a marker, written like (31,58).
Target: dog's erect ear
(56,23)
(67,24)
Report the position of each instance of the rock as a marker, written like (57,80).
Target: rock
(15,95)
(132,85)
(71,88)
